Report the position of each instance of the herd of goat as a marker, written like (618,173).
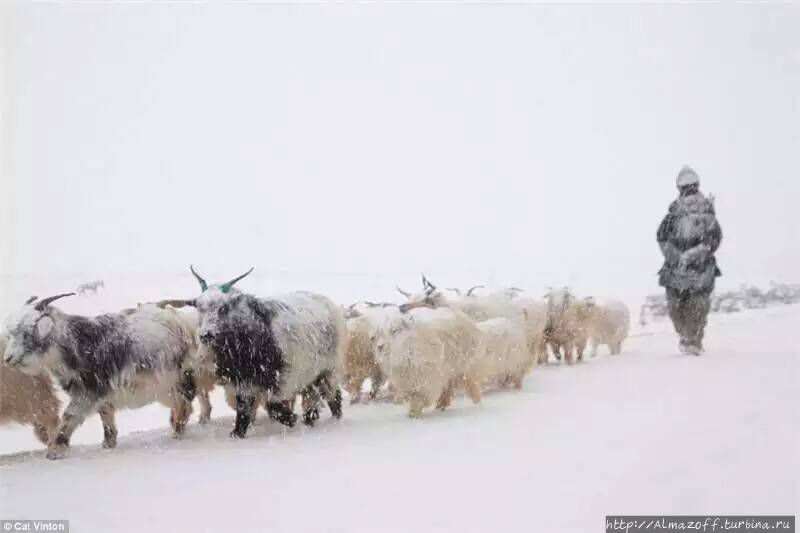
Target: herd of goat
(269,352)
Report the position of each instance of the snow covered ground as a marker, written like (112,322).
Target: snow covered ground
(649,431)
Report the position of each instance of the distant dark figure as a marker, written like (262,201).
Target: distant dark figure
(689,236)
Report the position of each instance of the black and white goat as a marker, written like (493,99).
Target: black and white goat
(273,348)
(120,360)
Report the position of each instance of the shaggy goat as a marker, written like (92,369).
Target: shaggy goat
(567,324)
(201,363)
(120,360)
(609,324)
(359,358)
(425,352)
(525,313)
(28,400)
(280,347)
(535,323)
(506,358)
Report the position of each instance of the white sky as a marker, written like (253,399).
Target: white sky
(372,138)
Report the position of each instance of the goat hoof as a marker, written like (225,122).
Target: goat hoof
(204,419)
(289,421)
(108,444)
(311,416)
(57,451)
(237,434)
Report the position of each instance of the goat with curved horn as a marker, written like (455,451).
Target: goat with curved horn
(273,348)
(113,358)
(200,280)
(50,299)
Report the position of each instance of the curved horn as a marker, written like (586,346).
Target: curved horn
(31,300)
(201,281)
(455,290)
(225,287)
(401,291)
(50,299)
(472,289)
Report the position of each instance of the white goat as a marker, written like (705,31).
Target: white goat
(505,358)
(425,353)
(609,324)
(90,286)
(201,362)
(525,313)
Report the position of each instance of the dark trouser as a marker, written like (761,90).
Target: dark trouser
(689,313)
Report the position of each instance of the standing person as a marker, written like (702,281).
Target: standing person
(689,236)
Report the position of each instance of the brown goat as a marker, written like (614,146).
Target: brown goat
(567,325)
(27,400)
(359,360)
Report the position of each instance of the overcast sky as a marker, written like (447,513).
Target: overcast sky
(375,138)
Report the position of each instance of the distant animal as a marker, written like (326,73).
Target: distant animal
(90,286)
